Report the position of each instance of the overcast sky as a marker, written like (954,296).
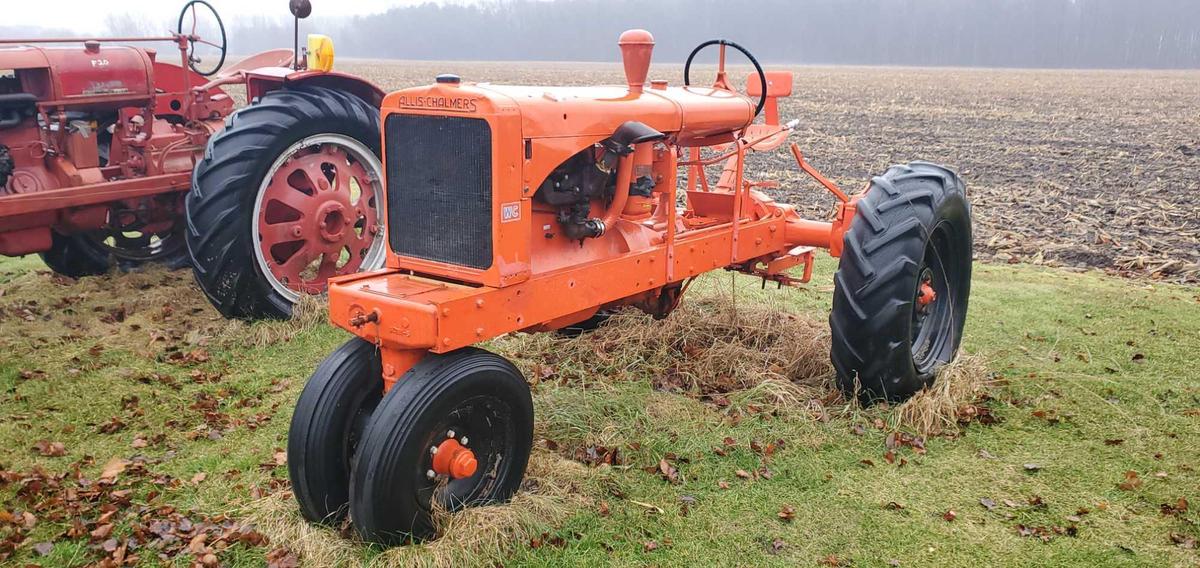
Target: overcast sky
(88,16)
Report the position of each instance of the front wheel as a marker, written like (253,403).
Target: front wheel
(902,285)
(289,195)
(328,422)
(456,430)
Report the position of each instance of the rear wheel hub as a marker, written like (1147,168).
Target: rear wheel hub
(317,214)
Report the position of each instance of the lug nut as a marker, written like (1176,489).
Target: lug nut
(450,434)
(430,474)
(464,440)
(433,450)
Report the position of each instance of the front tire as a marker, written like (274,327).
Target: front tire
(903,282)
(287,196)
(441,401)
(330,416)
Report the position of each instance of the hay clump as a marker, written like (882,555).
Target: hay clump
(308,313)
(710,348)
(955,399)
(473,536)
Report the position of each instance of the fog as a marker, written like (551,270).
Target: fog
(977,33)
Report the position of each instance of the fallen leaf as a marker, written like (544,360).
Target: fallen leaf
(43,548)
(1032,467)
(101,532)
(201,476)
(787,513)
(113,468)
(834,560)
(1132,481)
(742,474)
(668,471)
(113,426)
(283,558)
(1183,541)
(990,504)
(650,546)
(50,449)
(950,515)
(196,545)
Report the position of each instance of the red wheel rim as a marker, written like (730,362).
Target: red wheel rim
(317,218)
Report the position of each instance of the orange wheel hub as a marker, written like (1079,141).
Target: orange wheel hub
(454,459)
(925,294)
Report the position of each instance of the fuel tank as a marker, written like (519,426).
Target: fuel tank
(86,75)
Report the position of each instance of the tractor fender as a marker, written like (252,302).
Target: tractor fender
(262,81)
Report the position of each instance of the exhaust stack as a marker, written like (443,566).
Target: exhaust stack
(636,48)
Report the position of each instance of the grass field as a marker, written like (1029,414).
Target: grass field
(140,427)
(1094,379)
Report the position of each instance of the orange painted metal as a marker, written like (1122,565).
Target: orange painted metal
(925,294)
(454,459)
(650,249)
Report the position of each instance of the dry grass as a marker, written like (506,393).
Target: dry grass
(307,314)
(741,357)
(474,536)
(710,348)
(951,401)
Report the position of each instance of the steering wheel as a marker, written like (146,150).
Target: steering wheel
(721,81)
(193,39)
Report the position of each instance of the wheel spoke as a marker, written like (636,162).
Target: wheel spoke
(294,265)
(328,267)
(284,232)
(292,197)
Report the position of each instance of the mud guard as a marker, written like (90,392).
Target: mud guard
(262,81)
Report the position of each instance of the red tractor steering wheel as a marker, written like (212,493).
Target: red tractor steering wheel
(193,39)
(721,81)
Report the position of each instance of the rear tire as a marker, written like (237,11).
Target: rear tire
(912,227)
(330,416)
(84,254)
(470,392)
(587,325)
(224,230)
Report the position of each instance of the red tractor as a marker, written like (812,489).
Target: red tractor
(100,144)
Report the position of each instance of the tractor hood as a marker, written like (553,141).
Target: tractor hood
(551,112)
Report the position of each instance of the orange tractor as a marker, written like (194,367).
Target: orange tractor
(542,208)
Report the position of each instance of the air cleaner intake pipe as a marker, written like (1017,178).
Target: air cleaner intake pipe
(636,49)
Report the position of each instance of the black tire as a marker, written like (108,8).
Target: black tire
(225,184)
(477,393)
(587,325)
(327,425)
(914,222)
(78,255)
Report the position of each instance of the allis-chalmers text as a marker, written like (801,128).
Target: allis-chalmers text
(461,104)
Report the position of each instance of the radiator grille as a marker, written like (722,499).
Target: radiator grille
(439,188)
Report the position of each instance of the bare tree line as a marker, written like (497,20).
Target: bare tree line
(985,33)
(978,33)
